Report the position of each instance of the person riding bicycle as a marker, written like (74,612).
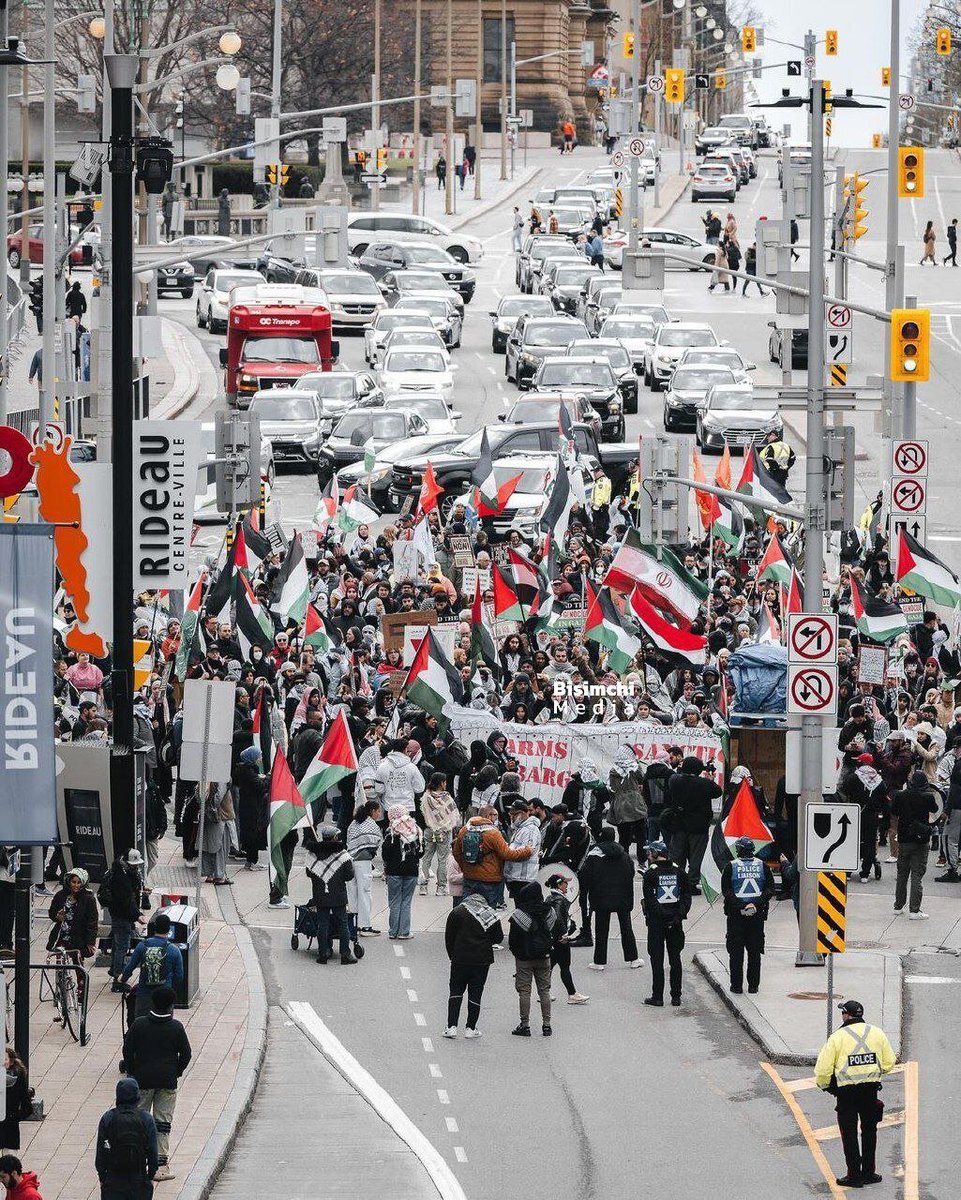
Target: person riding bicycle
(75,916)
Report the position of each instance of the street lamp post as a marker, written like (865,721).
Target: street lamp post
(504,89)
(418,35)
(893,282)
(375,97)
(449,112)
(49,389)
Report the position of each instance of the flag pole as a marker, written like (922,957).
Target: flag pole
(710,567)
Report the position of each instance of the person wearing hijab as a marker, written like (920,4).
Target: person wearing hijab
(401,852)
(252,808)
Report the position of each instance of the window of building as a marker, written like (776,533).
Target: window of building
(492,47)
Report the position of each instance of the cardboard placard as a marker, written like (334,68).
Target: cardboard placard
(413,636)
(460,546)
(468,585)
(392,626)
(406,560)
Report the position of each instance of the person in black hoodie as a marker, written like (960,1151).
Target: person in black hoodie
(666,902)
(534,928)
(472,930)
(608,878)
(914,808)
(567,840)
(156,1052)
(120,894)
(465,780)
(690,796)
(657,777)
(497,752)
(329,872)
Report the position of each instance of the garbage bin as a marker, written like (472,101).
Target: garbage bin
(185,934)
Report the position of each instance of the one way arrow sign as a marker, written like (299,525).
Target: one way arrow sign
(833,837)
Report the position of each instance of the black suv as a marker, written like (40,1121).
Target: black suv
(380,258)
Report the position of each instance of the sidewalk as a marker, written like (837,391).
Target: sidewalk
(227,1030)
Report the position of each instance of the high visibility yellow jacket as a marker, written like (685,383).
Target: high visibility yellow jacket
(855,1053)
(778,454)
(601,492)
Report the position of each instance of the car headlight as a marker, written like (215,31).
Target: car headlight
(529,359)
(248,378)
(614,409)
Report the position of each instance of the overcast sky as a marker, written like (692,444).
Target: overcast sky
(863,49)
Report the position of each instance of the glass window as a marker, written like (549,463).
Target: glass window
(284,406)
(493,66)
(330,385)
(686,337)
(280,349)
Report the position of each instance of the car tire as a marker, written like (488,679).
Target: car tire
(655,384)
(460,254)
(13,258)
(200,318)
(668,423)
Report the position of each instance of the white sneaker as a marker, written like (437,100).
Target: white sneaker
(596,966)
(472,1033)
(577,998)
(918,916)
(638,962)
(898,911)
(162,1173)
(892,859)
(376,873)
(253,867)
(450,1031)
(283,902)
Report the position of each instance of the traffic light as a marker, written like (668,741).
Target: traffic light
(86,93)
(179,111)
(748,39)
(885,76)
(381,158)
(831,42)
(910,172)
(242,96)
(720,81)
(910,345)
(628,45)
(36,302)
(278,173)
(674,85)
(876,141)
(826,104)
(854,185)
(942,40)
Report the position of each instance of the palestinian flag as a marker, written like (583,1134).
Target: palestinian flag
(661,578)
(757,484)
(243,560)
(557,512)
(492,489)
(707,504)
(776,564)
(329,503)
(876,619)
(729,527)
(667,637)
(794,601)
(254,627)
(354,512)
(335,760)
(743,820)
(433,683)
(287,812)
(258,547)
(430,489)
(530,585)
(292,585)
(603,624)
(768,630)
(920,571)
(482,648)
(221,592)
(370,456)
(188,629)
(316,633)
(507,605)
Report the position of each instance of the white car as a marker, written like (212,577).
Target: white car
(718,356)
(635,333)
(366,227)
(647,170)
(670,342)
(355,299)
(423,339)
(213,300)
(639,308)
(445,316)
(681,251)
(386,321)
(408,369)
(432,407)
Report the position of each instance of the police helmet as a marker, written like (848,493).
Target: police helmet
(657,847)
(744,847)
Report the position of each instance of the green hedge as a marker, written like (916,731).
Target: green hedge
(238,177)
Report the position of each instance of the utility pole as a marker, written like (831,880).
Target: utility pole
(449,113)
(275,78)
(636,201)
(513,112)
(25,160)
(503,89)
(375,97)
(50,332)
(656,100)
(418,22)
(815,519)
(810,57)
(479,131)
(894,279)
(4,212)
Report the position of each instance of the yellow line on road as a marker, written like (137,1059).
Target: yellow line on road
(911,1115)
(807,1132)
(828,1133)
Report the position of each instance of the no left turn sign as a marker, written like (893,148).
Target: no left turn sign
(908,495)
(838,316)
(655,83)
(910,458)
(636,147)
(906,102)
(812,638)
(617,158)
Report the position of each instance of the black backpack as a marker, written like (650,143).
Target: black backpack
(127,1141)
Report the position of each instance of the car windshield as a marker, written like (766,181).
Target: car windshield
(671,336)
(699,379)
(525,411)
(223,283)
(284,405)
(636,327)
(515,306)
(733,121)
(710,170)
(402,320)
(431,408)
(568,216)
(545,250)
(436,307)
(420,283)
(416,337)
(726,358)
(330,385)
(415,360)
(380,424)
(657,315)
(567,276)
(430,254)
(731,398)
(617,356)
(349,283)
(280,349)
(575,374)
(552,335)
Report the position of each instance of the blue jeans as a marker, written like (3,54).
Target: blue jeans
(332,923)
(493,893)
(400,895)
(121,930)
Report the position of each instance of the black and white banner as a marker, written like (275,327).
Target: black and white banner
(28,797)
(166,457)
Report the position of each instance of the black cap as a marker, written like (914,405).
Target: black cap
(562,809)
(852,1008)
(519,805)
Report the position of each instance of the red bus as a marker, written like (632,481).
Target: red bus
(275,334)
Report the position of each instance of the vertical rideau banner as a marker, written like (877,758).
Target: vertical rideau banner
(28,798)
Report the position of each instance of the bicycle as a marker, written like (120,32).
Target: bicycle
(64,991)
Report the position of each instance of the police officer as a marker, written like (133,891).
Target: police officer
(747,886)
(850,1067)
(778,458)
(666,901)
(600,503)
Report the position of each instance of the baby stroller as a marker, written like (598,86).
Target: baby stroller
(305,925)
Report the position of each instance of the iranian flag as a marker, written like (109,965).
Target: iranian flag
(287,812)
(316,634)
(433,683)
(661,578)
(707,503)
(757,484)
(292,585)
(507,605)
(667,637)
(335,760)
(603,624)
(743,820)
(430,489)
(254,627)
(876,620)
(529,583)
(354,512)
(920,571)
(482,647)
(188,628)
(776,564)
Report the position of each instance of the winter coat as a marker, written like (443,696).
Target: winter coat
(498,758)
(567,843)
(401,858)
(400,779)
(733,906)
(27,1188)
(173,961)
(303,749)
(83,926)
(585,801)
(468,943)
(252,806)
(465,781)
(332,891)
(691,794)
(656,780)
(120,891)
(19,1108)
(524,833)
(914,809)
(535,925)
(494,852)
(658,910)
(895,767)
(156,1051)
(608,877)
(627,798)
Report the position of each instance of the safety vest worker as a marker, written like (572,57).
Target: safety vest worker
(600,503)
(850,1066)
(778,457)
(747,886)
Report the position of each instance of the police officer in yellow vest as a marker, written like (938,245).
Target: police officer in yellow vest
(600,503)
(778,458)
(850,1067)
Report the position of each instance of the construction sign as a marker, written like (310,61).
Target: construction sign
(832,902)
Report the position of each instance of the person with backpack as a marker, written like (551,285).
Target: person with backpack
(481,851)
(120,895)
(156,1052)
(471,932)
(666,901)
(127,1156)
(915,808)
(557,886)
(608,878)
(534,928)
(401,851)
(160,961)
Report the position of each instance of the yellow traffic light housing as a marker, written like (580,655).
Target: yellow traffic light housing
(284,174)
(628,45)
(381,158)
(720,81)
(854,185)
(271,173)
(910,345)
(875,141)
(831,42)
(942,40)
(748,39)
(910,172)
(827,106)
(674,85)
(885,76)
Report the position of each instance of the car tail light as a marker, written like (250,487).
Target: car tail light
(728,178)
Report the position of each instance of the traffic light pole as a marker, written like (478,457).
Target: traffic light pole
(894,279)
(275,78)
(375,102)
(49,351)
(635,201)
(810,56)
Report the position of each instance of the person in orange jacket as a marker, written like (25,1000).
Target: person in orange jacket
(481,851)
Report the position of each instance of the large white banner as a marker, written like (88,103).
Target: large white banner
(548,754)
(166,457)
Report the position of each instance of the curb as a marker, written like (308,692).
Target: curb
(213,1158)
(168,409)
(486,206)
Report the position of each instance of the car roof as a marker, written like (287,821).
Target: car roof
(688,325)
(575,359)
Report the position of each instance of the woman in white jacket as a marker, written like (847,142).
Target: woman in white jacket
(401,781)
(364,838)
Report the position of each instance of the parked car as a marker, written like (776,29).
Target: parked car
(535,338)
(35,248)
(213,299)
(735,415)
(687,392)
(670,342)
(505,316)
(365,227)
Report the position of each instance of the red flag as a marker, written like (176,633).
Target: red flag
(707,504)
(722,476)
(430,489)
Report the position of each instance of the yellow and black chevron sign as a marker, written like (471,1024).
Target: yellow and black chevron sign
(618,202)
(839,375)
(832,901)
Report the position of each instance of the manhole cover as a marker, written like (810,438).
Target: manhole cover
(811,995)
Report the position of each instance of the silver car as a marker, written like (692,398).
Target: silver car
(355,299)
(445,316)
(384,325)
(718,356)
(687,393)
(732,414)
